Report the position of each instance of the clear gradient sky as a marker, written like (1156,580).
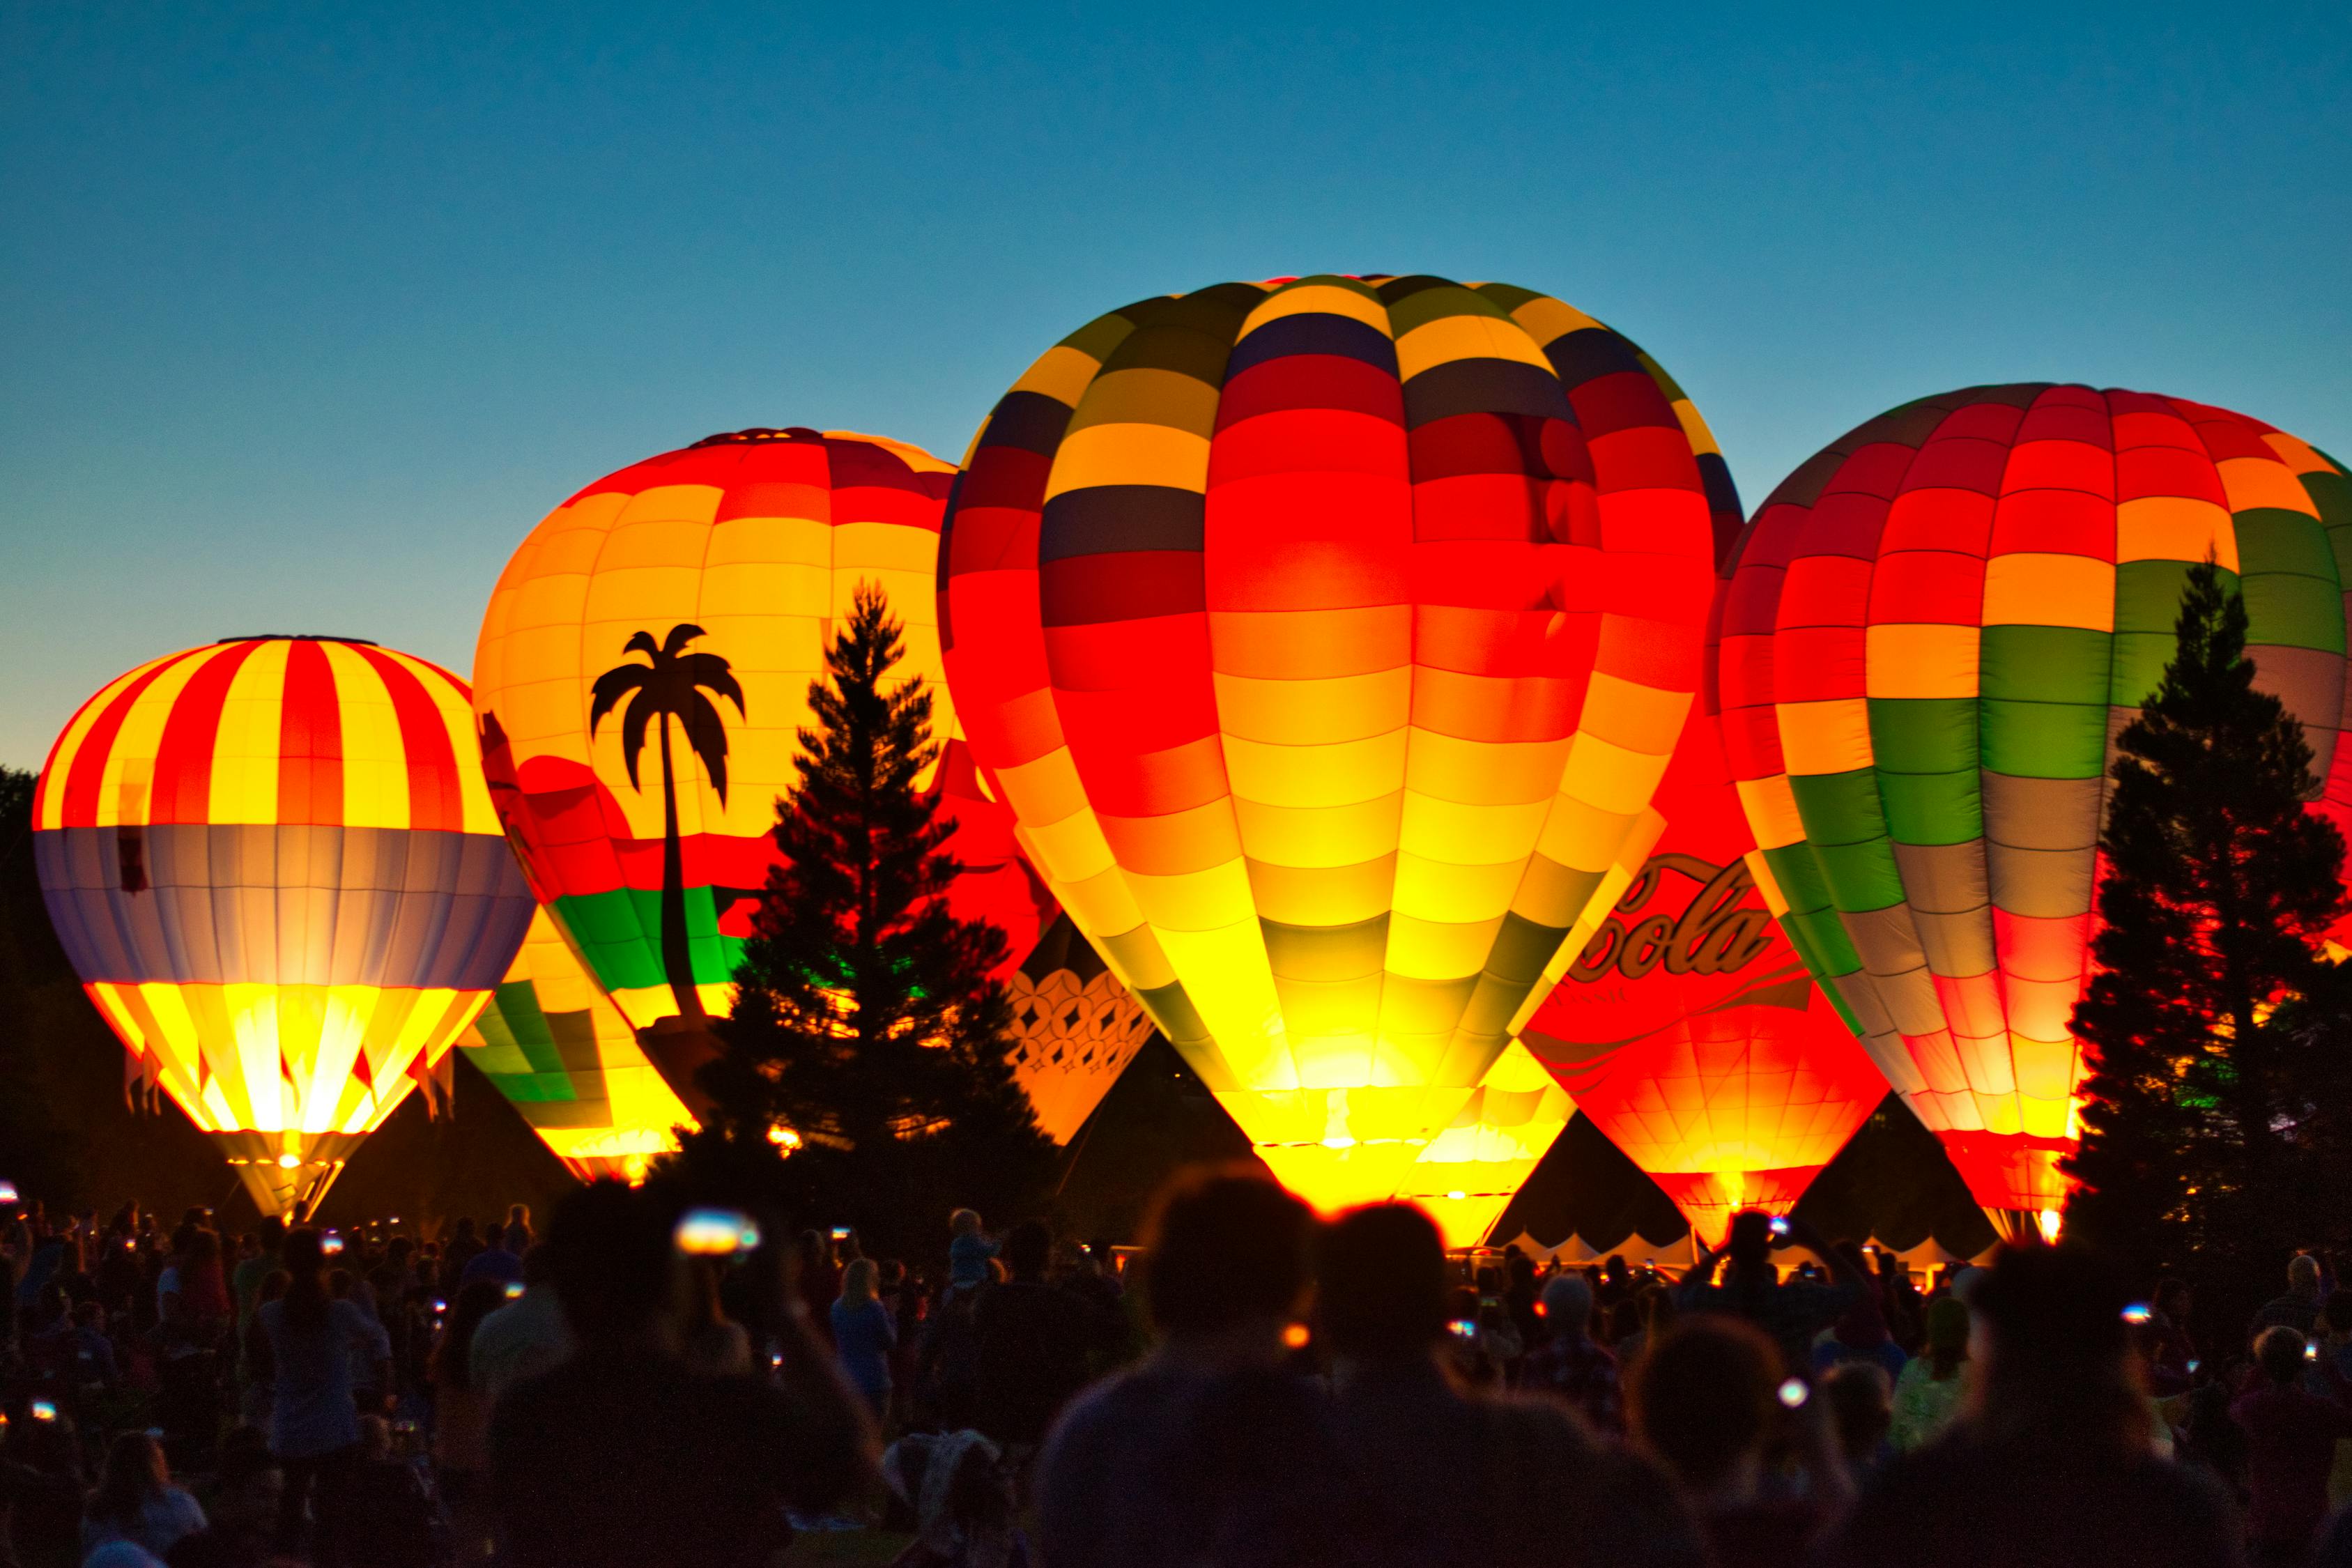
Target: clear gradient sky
(310,311)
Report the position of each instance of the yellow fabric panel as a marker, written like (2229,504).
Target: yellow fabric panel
(1061,373)
(1451,338)
(245,748)
(1923,659)
(1771,807)
(1603,773)
(1342,893)
(1581,836)
(1313,712)
(1639,838)
(1637,717)
(2298,453)
(2175,528)
(1826,737)
(1131,454)
(695,504)
(1340,774)
(1469,835)
(1318,299)
(1312,645)
(1422,949)
(1484,772)
(375,764)
(1320,836)
(1547,320)
(2251,482)
(1242,1012)
(2029,589)
(1702,439)
(1208,899)
(1443,891)
(1146,398)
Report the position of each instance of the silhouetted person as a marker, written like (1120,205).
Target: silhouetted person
(1706,1401)
(2053,1459)
(1439,1477)
(1568,1365)
(621,1455)
(1792,1311)
(136,1501)
(1209,1450)
(2299,1308)
(1033,1342)
(314,1427)
(2291,1436)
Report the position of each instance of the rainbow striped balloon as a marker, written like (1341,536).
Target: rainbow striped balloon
(274,864)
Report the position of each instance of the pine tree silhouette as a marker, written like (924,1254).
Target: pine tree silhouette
(2199,1115)
(864,1020)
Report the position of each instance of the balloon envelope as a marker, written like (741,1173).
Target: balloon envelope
(1076,1029)
(1935,629)
(702,588)
(275,866)
(1687,1029)
(563,1055)
(1470,1172)
(1326,638)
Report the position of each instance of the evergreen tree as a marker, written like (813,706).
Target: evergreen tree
(2206,1119)
(866,1022)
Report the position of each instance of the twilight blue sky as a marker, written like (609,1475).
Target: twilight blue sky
(311,311)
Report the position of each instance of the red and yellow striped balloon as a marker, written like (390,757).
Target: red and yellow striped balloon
(274,864)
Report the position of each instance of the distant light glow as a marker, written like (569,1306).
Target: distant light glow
(1793,1392)
(289,1161)
(716,1233)
(2139,1313)
(1296,1336)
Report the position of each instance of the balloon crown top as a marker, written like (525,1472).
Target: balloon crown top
(757,434)
(299,636)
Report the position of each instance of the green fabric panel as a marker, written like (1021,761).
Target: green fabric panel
(1862,877)
(2147,596)
(2045,712)
(2044,664)
(1933,808)
(1923,735)
(1099,336)
(1509,295)
(2047,739)
(2271,539)
(2140,658)
(1813,925)
(1838,808)
(2331,494)
(2284,611)
(497,1061)
(534,1088)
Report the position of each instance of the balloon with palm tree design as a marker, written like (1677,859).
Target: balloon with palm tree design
(691,598)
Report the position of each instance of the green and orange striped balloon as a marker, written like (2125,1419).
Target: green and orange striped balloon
(1934,631)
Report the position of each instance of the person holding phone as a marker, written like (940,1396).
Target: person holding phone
(622,1455)
(1792,1311)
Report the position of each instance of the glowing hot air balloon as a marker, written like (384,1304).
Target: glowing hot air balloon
(643,676)
(1687,1029)
(1469,1173)
(562,1053)
(1326,638)
(275,866)
(1934,631)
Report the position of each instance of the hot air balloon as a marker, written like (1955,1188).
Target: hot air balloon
(1076,1029)
(1934,631)
(643,676)
(275,866)
(563,1055)
(1326,638)
(1687,1029)
(1469,1173)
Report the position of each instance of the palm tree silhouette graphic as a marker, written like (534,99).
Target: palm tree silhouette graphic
(671,686)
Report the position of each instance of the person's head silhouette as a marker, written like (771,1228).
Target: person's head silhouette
(608,1255)
(1381,1283)
(1226,1256)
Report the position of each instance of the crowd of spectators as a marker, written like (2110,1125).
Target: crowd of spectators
(1250,1385)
